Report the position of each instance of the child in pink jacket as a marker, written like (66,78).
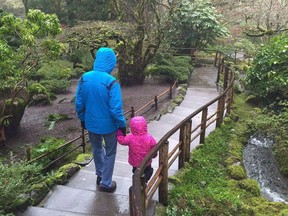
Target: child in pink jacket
(140,142)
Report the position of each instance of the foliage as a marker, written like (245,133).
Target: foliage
(56,86)
(24,45)
(239,45)
(265,17)
(48,145)
(204,187)
(135,41)
(23,184)
(69,12)
(179,68)
(195,24)
(269,73)
(15,182)
(54,118)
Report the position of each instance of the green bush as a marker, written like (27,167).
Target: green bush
(15,182)
(48,144)
(269,73)
(56,70)
(56,86)
(170,72)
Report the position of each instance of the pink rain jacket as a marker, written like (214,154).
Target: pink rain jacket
(139,141)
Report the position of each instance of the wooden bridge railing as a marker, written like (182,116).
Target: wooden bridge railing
(140,194)
(80,141)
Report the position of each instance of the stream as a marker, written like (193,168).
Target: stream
(261,165)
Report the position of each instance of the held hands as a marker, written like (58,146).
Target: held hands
(121,131)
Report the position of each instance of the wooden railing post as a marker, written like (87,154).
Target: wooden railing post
(137,195)
(3,137)
(220,108)
(216,59)
(185,139)
(170,92)
(156,102)
(163,161)
(28,153)
(203,125)
(131,202)
(143,194)
(132,112)
(83,141)
(226,73)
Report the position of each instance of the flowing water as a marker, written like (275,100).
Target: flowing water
(261,165)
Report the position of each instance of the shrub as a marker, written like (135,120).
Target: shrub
(15,182)
(48,144)
(56,86)
(269,73)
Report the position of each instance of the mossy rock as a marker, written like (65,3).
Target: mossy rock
(160,210)
(251,186)
(38,193)
(83,159)
(236,172)
(253,100)
(232,160)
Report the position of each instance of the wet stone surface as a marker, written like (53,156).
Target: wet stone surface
(261,165)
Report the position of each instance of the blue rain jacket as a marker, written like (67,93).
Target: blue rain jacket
(98,99)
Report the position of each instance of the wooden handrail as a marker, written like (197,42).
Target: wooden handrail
(224,101)
(132,113)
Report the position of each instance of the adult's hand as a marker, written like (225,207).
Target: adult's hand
(123,130)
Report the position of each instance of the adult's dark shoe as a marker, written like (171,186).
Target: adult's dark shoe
(98,180)
(108,189)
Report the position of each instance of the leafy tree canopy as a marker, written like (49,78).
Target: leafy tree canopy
(196,24)
(269,72)
(22,44)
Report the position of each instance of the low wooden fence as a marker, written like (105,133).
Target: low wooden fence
(140,193)
(82,139)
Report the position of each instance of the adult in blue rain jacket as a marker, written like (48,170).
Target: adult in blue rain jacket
(98,104)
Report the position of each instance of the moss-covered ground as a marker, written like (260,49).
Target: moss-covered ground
(214,182)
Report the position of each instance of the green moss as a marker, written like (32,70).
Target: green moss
(250,185)
(204,188)
(178,99)
(232,160)
(236,172)
(83,157)
(69,169)
(284,212)
(38,192)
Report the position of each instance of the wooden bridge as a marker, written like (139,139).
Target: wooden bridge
(177,133)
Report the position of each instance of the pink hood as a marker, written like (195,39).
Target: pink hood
(138,125)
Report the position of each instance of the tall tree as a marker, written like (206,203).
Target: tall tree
(148,19)
(196,24)
(24,45)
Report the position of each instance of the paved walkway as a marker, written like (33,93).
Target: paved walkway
(81,196)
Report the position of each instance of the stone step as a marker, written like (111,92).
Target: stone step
(39,211)
(89,202)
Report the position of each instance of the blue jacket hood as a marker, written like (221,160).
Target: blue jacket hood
(105,60)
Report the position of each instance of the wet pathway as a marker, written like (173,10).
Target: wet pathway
(80,196)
